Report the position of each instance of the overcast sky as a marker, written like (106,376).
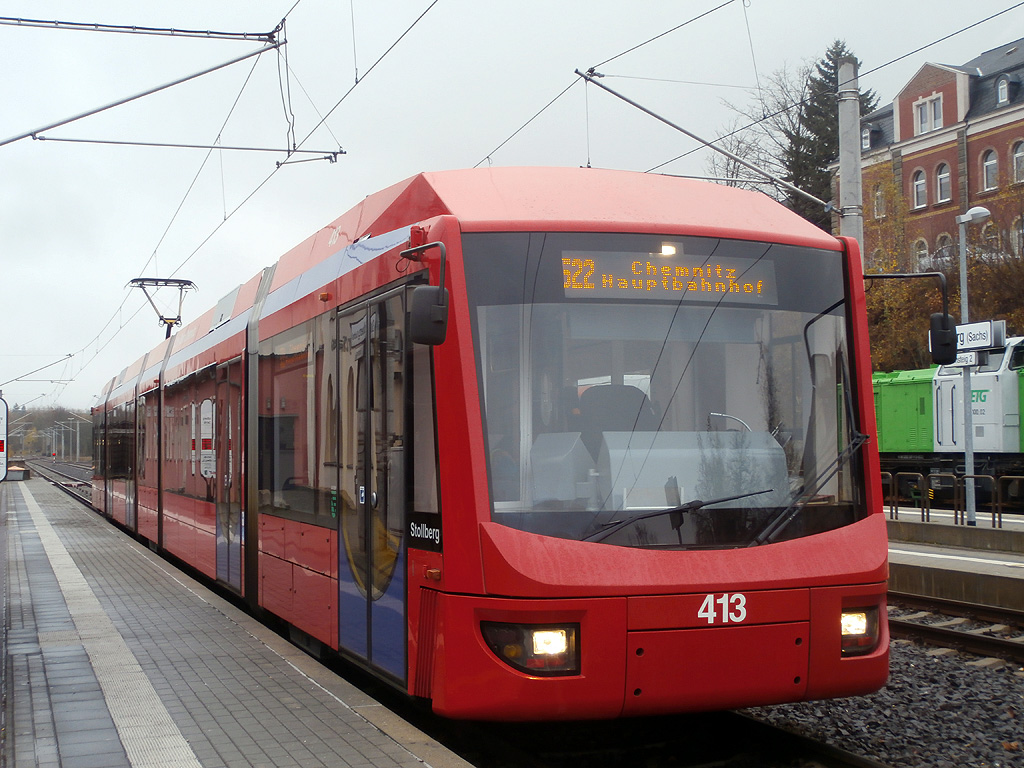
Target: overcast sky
(78,221)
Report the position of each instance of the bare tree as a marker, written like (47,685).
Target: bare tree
(760,132)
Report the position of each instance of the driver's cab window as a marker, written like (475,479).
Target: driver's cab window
(1017,357)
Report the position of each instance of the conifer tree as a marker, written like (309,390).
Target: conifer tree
(794,132)
(814,144)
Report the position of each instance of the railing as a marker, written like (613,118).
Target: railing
(963,494)
(1000,499)
(925,487)
(918,482)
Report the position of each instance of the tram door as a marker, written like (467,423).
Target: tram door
(371,485)
(131,457)
(228,452)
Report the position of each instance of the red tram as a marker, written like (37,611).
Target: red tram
(618,465)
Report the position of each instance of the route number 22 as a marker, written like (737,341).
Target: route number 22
(724,608)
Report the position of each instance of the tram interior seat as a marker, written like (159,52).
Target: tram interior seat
(560,467)
(614,408)
(562,463)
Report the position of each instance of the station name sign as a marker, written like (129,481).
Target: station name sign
(965,360)
(990,334)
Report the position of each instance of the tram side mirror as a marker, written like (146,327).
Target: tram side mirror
(942,339)
(428,315)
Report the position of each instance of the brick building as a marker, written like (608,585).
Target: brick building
(952,138)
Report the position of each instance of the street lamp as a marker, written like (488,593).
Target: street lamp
(973,216)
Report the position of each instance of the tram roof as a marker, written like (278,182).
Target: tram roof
(557,199)
(612,200)
(538,199)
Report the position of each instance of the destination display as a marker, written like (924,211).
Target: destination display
(620,275)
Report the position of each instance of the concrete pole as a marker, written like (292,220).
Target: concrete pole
(971,507)
(851,207)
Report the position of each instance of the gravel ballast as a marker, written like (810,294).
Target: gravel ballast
(938,710)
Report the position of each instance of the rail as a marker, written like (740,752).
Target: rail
(1003,637)
(72,484)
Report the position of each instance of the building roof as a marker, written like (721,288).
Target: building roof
(1006,57)
(984,72)
(987,69)
(882,126)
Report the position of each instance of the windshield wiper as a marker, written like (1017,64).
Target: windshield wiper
(618,525)
(777,523)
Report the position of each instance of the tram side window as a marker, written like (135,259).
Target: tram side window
(502,328)
(149,435)
(424,457)
(141,460)
(189,415)
(98,444)
(297,439)
(176,431)
(120,441)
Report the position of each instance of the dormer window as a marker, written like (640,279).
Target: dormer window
(870,134)
(1006,89)
(928,115)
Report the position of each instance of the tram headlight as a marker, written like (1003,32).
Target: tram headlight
(537,650)
(859,630)
(550,642)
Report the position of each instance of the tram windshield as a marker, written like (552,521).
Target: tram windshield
(664,392)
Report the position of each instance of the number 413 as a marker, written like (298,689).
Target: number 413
(724,608)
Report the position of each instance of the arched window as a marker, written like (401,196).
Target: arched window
(879,202)
(990,170)
(990,236)
(921,253)
(1002,91)
(1017,237)
(943,188)
(944,247)
(1018,162)
(920,190)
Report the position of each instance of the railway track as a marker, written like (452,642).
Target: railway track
(978,629)
(74,479)
(719,739)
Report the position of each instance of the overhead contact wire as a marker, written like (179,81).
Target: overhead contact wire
(666,32)
(862,74)
(616,56)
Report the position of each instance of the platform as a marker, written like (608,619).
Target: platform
(955,573)
(113,658)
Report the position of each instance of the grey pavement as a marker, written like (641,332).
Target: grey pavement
(113,658)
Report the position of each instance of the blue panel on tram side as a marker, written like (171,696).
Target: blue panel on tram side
(388,616)
(352,629)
